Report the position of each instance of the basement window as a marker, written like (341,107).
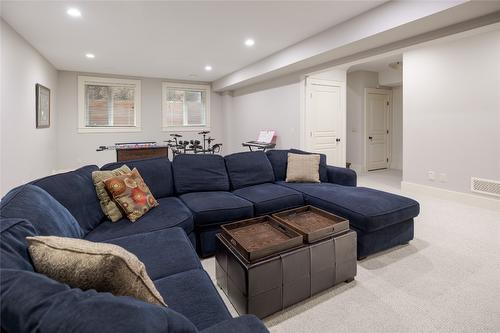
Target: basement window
(108,105)
(185,107)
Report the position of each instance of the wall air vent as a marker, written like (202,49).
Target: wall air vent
(485,186)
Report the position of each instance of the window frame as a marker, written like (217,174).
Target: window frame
(185,86)
(108,81)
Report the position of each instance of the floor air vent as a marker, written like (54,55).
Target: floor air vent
(485,186)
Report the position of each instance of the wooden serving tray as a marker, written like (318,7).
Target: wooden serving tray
(259,237)
(312,223)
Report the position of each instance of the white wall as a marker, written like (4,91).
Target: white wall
(77,149)
(333,74)
(274,105)
(356,84)
(397,129)
(268,106)
(27,153)
(451,124)
(390,77)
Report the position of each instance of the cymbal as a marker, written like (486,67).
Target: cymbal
(176,135)
(204,132)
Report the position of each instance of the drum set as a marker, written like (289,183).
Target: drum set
(203,146)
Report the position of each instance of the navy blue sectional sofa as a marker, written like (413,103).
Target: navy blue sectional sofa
(196,194)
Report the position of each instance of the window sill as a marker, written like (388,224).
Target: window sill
(185,129)
(109,129)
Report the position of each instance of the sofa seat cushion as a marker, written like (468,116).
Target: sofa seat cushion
(367,209)
(171,212)
(193,295)
(249,168)
(164,252)
(216,207)
(200,172)
(46,214)
(270,198)
(75,190)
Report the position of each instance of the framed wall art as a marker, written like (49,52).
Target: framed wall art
(42,106)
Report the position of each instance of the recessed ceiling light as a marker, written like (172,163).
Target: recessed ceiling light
(90,55)
(74,12)
(208,68)
(249,42)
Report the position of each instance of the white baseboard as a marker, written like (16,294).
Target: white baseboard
(466,198)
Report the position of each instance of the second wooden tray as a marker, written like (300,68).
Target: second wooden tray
(259,237)
(312,223)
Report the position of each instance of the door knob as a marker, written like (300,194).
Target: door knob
(338,139)
(370,137)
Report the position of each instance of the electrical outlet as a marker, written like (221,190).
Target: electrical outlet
(431,175)
(443,178)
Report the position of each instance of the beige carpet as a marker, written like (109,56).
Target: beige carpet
(447,279)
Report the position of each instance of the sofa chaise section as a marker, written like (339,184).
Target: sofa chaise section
(382,220)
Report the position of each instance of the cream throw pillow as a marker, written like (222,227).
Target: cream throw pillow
(302,168)
(88,265)
(108,206)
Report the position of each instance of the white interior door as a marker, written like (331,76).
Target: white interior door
(377,108)
(325,119)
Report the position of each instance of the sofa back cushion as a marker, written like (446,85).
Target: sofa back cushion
(249,168)
(200,173)
(323,174)
(156,172)
(75,191)
(279,160)
(46,214)
(13,245)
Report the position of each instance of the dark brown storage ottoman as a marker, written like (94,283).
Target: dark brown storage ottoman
(279,280)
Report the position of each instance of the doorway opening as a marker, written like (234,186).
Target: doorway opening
(374,123)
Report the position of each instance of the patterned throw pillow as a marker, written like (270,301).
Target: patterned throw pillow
(131,193)
(88,265)
(303,168)
(108,206)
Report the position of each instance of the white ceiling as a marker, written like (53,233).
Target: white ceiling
(170,39)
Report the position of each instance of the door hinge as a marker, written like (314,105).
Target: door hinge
(387,159)
(387,131)
(387,103)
